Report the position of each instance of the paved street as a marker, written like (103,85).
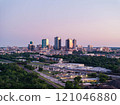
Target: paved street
(50,78)
(114,76)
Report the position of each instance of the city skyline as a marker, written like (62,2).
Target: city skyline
(91,22)
(72,41)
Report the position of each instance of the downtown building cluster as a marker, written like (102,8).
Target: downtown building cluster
(57,48)
(70,47)
(70,44)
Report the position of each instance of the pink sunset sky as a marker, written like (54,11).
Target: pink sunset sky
(95,22)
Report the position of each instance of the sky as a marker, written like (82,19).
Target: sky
(94,22)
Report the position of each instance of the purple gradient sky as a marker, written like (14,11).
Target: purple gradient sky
(95,22)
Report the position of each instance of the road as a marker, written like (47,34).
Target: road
(50,78)
(29,71)
(114,76)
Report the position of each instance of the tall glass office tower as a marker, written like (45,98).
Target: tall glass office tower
(57,43)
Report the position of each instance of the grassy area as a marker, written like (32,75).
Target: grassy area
(1,59)
(46,72)
(5,61)
(50,73)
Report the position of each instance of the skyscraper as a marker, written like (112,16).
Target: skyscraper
(31,46)
(45,43)
(57,43)
(69,44)
(90,47)
(74,43)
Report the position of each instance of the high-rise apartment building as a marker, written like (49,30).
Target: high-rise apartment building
(57,43)
(45,43)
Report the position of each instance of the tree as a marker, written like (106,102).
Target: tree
(42,59)
(78,79)
(40,69)
(93,75)
(14,77)
(103,77)
(69,85)
(29,67)
(102,80)
(76,82)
